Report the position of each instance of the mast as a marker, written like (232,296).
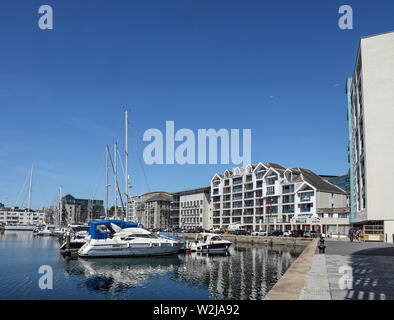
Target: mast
(116,179)
(59,218)
(106,181)
(127,167)
(31,182)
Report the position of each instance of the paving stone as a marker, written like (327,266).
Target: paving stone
(372,266)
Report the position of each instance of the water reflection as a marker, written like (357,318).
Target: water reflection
(246,273)
(106,274)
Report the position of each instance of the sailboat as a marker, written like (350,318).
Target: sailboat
(25,226)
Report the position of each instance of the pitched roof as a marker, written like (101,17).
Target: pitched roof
(160,197)
(276,167)
(319,183)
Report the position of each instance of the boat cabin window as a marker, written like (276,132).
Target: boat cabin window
(216,238)
(101,229)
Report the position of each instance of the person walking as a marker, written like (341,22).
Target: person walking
(358,235)
(351,234)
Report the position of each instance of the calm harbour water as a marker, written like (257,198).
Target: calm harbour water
(246,272)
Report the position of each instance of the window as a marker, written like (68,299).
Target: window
(270,190)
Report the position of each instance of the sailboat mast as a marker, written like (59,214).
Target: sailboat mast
(31,183)
(116,179)
(59,218)
(127,167)
(106,181)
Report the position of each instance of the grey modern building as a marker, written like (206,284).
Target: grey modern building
(370,96)
(76,211)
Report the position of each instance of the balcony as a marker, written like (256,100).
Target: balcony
(288,189)
(249,195)
(248,203)
(226,214)
(306,208)
(237,189)
(260,175)
(237,204)
(237,181)
(271,181)
(237,196)
(237,212)
(288,199)
(248,220)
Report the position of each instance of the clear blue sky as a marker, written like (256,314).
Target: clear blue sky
(276,67)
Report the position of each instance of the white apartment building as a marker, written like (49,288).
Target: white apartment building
(269,196)
(19,217)
(134,203)
(194,209)
(371,131)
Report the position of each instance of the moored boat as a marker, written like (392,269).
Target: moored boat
(209,242)
(109,239)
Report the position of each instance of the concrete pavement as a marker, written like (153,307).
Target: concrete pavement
(351,271)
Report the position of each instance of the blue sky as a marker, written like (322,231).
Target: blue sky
(275,67)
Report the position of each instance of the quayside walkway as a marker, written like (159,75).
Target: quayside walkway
(347,271)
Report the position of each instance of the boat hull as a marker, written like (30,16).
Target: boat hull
(215,247)
(19,228)
(96,251)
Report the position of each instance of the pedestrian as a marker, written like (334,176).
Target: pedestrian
(351,234)
(358,235)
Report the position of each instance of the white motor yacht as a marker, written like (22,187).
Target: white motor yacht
(45,232)
(59,232)
(109,239)
(209,242)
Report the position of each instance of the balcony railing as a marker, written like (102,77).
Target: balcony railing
(237,181)
(287,190)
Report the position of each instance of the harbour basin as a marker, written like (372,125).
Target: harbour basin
(246,272)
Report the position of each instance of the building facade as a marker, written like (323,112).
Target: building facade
(77,211)
(269,196)
(10,216)
(154,210)
(194,210)
(370,93)
(134,203)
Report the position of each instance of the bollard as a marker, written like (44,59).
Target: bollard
(322,247)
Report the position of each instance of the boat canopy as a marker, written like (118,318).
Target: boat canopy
(99,229)
(79,228)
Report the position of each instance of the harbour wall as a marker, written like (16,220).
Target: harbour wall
(291,285)
(286,241)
